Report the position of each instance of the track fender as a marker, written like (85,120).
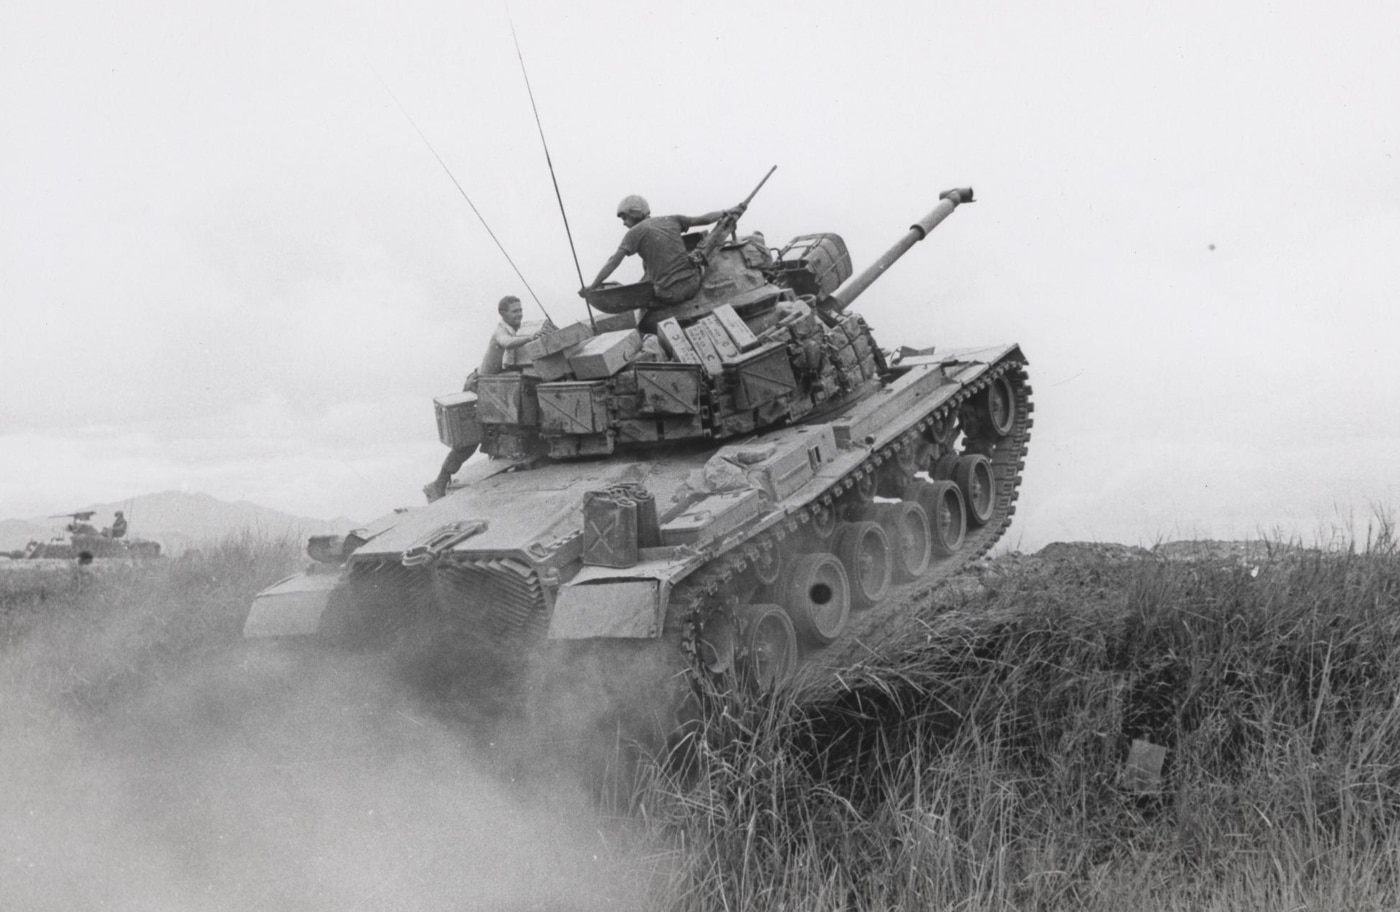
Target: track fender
(607,608)
(292,607)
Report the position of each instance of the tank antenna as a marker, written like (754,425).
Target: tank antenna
(557,195)
(475,211)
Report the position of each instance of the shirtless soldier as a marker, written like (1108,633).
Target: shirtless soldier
(506,338)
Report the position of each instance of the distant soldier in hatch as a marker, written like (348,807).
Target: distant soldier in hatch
(118,525)
(666,264)
(507,337)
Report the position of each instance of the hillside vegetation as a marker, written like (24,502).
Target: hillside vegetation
(979,763)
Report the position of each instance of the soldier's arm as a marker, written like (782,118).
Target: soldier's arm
(509,340)
(709,218)
(609,267)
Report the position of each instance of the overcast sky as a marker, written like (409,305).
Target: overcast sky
(230,264)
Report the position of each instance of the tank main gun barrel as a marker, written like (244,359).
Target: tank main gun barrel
(948,201)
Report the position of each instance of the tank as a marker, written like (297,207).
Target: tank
(85,542)
(716,492)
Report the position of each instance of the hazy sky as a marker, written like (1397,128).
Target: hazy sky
(230,265)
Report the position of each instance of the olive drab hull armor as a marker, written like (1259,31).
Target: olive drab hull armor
(736,483)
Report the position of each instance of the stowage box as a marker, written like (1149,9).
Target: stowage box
(507,399)
(604,355)
(456,419)
(712,517)
(578,407)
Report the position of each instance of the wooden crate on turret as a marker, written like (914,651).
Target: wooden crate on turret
(604,355)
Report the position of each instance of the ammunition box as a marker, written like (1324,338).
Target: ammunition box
(735,326)
(719,337)
(558,340)
(604,355)
(508,399)
(456,419)
(705,349)
(552,367)
(762,376)
(578,407)
(675,342)
(669,389)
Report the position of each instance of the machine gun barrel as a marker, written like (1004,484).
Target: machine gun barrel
(949,200)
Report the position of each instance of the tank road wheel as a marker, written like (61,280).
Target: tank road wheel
(943,431)
(892,481)
(817,594)
(864,551)
(768,646)
(998,406)
(768,565)
(718,643)
(973,476)
(823,523)
(947,516)
(862,492)
(943,466)
(906,524)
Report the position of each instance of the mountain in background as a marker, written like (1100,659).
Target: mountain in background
(179,520)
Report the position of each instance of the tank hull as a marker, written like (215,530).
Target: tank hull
(498,564)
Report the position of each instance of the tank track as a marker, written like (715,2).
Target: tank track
(719,587)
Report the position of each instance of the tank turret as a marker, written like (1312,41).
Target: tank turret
(765,342)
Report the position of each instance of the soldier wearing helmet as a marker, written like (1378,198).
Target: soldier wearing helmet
(674,277)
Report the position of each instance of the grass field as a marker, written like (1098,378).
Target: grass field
(981,764)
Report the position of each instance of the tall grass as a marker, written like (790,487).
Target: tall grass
(981,766)
(81,639)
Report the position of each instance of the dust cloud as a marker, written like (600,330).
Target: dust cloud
(272,779)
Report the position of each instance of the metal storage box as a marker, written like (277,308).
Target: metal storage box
(665,388)
(716,515)
(579,407)
(456,419)
(794,462)
(507,399)
(762,376)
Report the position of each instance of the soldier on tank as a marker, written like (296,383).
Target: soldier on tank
(118,526)
(507,337)
(674,276)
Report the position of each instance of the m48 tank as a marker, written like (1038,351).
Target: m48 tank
(729,487)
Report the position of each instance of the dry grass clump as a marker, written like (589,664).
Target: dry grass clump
(981,765)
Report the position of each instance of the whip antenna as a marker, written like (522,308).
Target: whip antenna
(557,195)
(475,211)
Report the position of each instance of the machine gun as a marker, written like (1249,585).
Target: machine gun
(725,226)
